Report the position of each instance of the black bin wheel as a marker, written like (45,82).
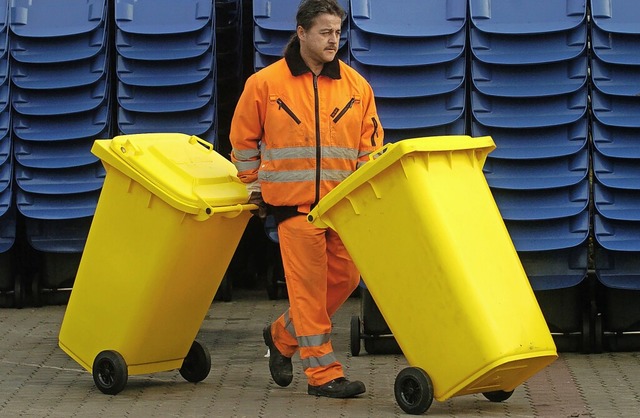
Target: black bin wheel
(355,335)
(110,372)
(197,364)
(498,395)
(414,390)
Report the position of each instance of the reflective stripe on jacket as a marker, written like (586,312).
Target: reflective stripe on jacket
(300,134)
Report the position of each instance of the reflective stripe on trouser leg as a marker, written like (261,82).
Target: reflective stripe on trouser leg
(284,335)
(305,260)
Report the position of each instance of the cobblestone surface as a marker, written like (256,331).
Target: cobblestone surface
(37,379)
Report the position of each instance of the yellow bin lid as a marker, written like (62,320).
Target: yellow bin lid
(182,170)
(393,152)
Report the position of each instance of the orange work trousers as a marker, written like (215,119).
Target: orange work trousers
(320,276)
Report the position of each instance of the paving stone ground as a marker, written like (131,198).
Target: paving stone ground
(37,379)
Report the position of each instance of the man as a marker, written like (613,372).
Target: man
(301,126)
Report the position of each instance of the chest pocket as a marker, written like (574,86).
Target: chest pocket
(283,122)
(346,123)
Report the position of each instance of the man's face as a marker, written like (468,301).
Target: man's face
(320,43)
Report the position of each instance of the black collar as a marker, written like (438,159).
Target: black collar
(298,67)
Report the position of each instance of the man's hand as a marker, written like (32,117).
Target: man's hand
(256,199)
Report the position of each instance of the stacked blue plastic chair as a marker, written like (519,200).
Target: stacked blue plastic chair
(615,79)
(230,76)
(165,64)
(275,23)
(414,57)
(60,104)
(529,92)
(11,284)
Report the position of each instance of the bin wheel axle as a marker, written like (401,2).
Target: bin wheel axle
(110,372)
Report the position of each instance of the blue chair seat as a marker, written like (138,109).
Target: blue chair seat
(42,206)
(280,14)
(60,101)
(614,141)
(550,234)
(4,96)
(542,204)
(615,79)
(618,269)
(618,204)
(621,111)
(60,181)
(426,80)
(56,128)
(415,18)
(530,49)
(194,122)
(4,69)
(58,235)
(615,48)
(38,19)
(58,50)
(55,154)
(7,232)
(4,16)
(621,16)
(555,269)
(522,17)
(616,235)
(165,47)
(7,226)
(534,80)
(6,172)
(157,17)
(166,73)
(545,142)
(620,173)
(391,51)
(5,149)
(166,99)
(4,42)
(59,75)
(534,112)
(544,173)
(5,122)
(457,127)
(421,112)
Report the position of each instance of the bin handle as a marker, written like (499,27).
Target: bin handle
(379,152)
(195,140)
(128,146)
(226,211)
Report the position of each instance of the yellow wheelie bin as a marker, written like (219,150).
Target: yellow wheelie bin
(421,224)
(169,218)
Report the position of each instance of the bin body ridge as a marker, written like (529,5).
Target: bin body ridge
(434,252)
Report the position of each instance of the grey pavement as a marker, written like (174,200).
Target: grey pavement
(37,379)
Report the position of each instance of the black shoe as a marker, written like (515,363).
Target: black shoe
(279,365)
(338,388)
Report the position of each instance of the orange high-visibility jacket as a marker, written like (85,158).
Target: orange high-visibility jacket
(300,135)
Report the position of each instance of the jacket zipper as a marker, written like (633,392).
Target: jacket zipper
(375,132)
(344,110)
(283,105)
(318,149)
